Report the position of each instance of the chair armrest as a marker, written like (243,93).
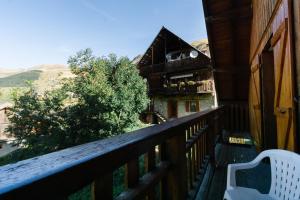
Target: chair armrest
(232,168)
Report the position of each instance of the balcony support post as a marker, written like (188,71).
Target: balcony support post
(211,139)
(176,181)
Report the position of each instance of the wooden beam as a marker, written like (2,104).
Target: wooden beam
(152,56)
(177,176)
(233,14)
(102,188)
(236,70)
(132,173)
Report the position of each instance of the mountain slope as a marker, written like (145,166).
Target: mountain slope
(44,77)
(202,45)
(19,80)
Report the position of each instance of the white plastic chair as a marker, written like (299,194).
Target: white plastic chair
(285,177)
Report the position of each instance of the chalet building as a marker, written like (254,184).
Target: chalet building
(255,54)
(179,77)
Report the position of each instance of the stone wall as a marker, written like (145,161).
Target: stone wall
(206,101)
(161,106)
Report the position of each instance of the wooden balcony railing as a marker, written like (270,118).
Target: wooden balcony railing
(237,117)
(185,64)
(175,155)
(174,66)
(186,90)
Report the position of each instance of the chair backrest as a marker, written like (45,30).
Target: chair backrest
(285,174)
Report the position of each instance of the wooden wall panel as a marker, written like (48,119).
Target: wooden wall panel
(273,18)
(255,104)
(296,28)
(284,77)
(262,12)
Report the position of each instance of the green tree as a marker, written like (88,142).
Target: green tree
(105,98)
(36,121)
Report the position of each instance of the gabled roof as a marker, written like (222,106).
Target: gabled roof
(172,42)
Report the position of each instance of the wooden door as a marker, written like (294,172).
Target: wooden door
(269,127)
(284,107)
(172,109)
(255,103)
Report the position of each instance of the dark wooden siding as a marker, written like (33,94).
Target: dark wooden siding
(228,25)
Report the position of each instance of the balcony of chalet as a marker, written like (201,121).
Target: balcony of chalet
(179,77)
(184,87)
(181,159)
(178,66)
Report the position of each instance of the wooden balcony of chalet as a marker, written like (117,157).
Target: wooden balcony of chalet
(177,66)
(179,156)
(184,88)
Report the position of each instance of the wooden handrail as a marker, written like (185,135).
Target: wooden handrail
(184,146)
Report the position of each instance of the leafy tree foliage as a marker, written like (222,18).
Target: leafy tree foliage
(105,98)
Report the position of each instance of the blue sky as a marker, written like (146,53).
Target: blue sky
(34,32)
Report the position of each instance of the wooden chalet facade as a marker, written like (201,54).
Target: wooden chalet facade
(255,52)
(256,44)
(179,77)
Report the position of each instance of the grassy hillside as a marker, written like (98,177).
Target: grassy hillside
(44,77)
(19,80)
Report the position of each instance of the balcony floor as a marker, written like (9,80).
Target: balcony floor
(258,178)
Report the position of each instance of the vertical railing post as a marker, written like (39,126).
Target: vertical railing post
(223,118)
(175,152)
(102,188)
(132,173)
(149,166)
(211,138)
(228,117)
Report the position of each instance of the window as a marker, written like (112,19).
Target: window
(192,106)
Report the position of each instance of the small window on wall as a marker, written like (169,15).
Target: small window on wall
(192,106)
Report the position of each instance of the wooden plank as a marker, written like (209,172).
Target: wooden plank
(150,160)
(242,116)
(189,170)
(192,140)
(150,166)
(233,14)
(261,31)
(102,188)
(149,180)
(284,107)
(278,33)
(37,176)
(177,176)
(210,140)
(196,151)
(164,181)
(132,173)
(269,129)
(296,42)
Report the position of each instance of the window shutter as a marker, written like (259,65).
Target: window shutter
(197,106)
(284,106)
(187,106)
